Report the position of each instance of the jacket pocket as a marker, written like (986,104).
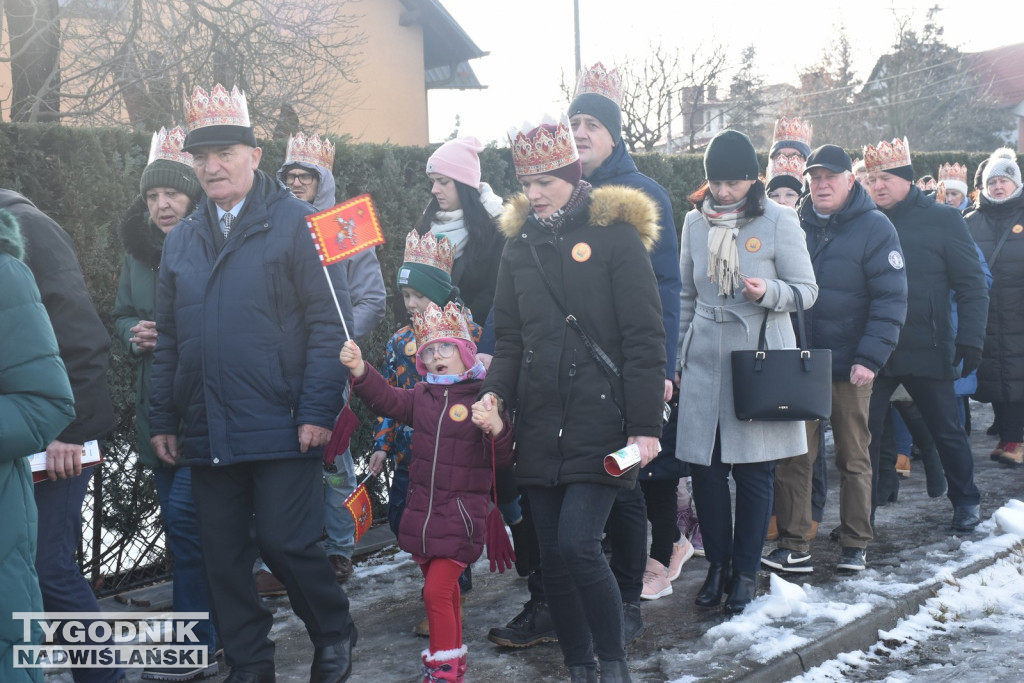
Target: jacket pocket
(467,519)
(684,348)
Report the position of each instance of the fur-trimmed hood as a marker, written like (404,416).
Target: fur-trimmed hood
(608,205)
(143,240)
(11,241)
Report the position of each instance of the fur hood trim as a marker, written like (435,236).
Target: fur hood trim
(609,204)
(11,241)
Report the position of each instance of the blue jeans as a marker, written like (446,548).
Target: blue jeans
(586,606)
(190,594)
(338,521)
(60,579)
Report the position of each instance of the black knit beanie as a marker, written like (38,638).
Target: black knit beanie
(167,173)
(730,156)
(784,180)
(602,109)
(905,172)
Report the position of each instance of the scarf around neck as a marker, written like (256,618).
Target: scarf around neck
(476,372)
(450,224)
(724,223)
(576,200)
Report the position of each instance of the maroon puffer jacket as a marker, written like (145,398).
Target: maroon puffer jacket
(450,474)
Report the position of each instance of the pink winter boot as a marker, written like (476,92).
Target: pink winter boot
(446,666)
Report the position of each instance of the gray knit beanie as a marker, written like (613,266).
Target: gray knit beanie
(1002,164)
(167,173)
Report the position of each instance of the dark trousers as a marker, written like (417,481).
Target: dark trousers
(819,481)
(1010,418)
(283,501)
(627,534)
(755,482)
(662,511)
(586,606)
(63,587)
(938,405)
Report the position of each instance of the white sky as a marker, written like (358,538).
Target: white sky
(531,43)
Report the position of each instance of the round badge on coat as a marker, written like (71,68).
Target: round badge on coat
(1017,229)
(581,252)
(410,348)
(753,245)
(458,412)
(896,259)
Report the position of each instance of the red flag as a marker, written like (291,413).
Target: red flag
(361,508)
(346,229)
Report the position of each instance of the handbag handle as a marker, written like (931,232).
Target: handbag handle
(762,342)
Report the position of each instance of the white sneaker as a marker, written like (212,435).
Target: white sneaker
(681,552)
(656,583)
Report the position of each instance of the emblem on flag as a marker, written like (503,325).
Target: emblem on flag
(346,229)
(361,508)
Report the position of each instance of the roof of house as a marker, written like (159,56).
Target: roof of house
(1000,69)
(447,48)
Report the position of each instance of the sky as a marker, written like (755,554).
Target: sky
(531,44)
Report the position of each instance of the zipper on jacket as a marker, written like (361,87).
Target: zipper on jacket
(568,401)
(433,473)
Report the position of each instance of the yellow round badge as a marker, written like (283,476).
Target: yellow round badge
(753,244)
(458,412)
(581,252)
(410,348)
(1018,229)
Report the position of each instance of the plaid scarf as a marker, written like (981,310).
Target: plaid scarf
(724,223)
(578,199)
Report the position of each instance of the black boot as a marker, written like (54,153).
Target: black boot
(632,622)
(530,627)
(333,664)
(710,593)
(583,674)
(741,592)
(614,671)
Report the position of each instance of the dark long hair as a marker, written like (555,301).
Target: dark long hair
(755,198)
(483,231)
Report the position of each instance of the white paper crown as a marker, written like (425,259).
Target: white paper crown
(310,150)
(218,108)
(167,144)
(544,147)
(601,81)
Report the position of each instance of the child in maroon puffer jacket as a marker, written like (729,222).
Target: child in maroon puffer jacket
(455,443)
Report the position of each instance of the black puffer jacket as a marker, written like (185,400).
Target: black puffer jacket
(940,257)
(1001,375)
(862,283)
(567,419)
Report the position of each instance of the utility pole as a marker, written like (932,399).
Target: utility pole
(576,26)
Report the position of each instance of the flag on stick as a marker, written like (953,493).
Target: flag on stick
(361,508)
(346,229)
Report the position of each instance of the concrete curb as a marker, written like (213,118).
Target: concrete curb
(858,635)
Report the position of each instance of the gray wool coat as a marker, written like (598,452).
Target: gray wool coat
(773,247)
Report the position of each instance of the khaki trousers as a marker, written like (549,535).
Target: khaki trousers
(793,475)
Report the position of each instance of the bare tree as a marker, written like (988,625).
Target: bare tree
(650,86)
(747,100)
(698,87)
(135,60)
(34,38)
(827,90)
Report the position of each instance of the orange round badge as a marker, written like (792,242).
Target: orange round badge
(753,244)
(410,348)
(581,252)
(458,412)
(1018,229)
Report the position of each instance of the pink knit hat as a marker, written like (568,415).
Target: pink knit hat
(458,160)
(467,352)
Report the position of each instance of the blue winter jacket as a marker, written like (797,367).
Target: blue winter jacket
(248,335)
(619,169)
(862,283)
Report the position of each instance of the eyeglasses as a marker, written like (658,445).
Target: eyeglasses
(303,178)
(442,350)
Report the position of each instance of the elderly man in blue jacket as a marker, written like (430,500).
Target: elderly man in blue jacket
(246,362)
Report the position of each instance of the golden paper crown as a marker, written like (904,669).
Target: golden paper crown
(167,145)
(543,148)
(311,150)
(792,129)
(887,155)
(218,108)
(601,81)
(787,164)
(430,251)
(440,323)
(949,172)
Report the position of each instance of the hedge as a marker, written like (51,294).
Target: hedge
(85,177)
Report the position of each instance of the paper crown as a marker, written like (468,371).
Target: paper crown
(167,145)
(429,251)
(218,108)
(787,164)
(310,150)
(536,149)
(792,129)
(440,323)
(601,81)
(887,155)
(949,172)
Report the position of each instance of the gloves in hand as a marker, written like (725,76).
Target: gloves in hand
(970,356)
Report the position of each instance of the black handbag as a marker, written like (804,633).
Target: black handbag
(782,384)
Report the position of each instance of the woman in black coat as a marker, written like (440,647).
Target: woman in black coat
(576,251)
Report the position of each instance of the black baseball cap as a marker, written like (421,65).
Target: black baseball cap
(832,157)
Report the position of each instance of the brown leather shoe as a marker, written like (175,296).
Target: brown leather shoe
(902,465)
(268,586)
(773,529)
(342,567)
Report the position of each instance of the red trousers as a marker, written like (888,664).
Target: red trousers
(441,598)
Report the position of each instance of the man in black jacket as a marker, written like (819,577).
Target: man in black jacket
(84,347)
(941,257)
(862,302)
